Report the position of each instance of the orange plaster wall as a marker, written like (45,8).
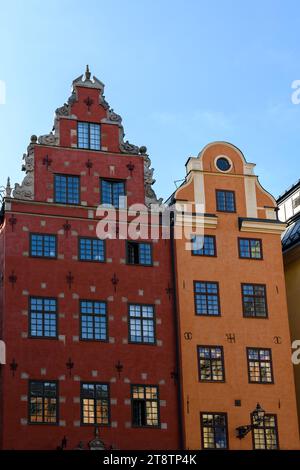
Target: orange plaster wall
(230,271)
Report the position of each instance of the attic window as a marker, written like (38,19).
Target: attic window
(296,202)
(223,164)
(88,135)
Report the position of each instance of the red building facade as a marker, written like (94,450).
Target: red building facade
(88,324)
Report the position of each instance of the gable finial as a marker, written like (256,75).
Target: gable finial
(87,73)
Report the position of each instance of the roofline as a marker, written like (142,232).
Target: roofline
(288,192)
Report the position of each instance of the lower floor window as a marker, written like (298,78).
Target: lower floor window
(43,408)
(214,430)
(265,435)
(95,403)
(144,400)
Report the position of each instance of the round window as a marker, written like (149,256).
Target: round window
(223,164)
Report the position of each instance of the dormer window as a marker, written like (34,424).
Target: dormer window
(88,135)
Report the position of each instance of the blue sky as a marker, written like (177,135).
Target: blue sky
(181,74)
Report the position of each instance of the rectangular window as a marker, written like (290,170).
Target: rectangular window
(254,300)
(43,317)
(207,298)
(42,245)
(265,433)
(88,135)
(93,320)
(66,189)
(144,401)
(211,364)
(250,248)
(204,245)
(95,404)
(139,253)
(259,365)
(225,201)
(43,402)
(141,324)
(111,191)
(91,249)
(214,430)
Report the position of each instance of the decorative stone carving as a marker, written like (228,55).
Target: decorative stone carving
(112,116)
(48,139)
(126,147)
(26,189)
(8,188)
(103,101)
(96,443)
(63,110)
(150,196)
(86,81)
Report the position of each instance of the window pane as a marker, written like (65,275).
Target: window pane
(210,363)
(43,402)
(260,365)
(43,245)
(207,298)
(93,320)
(43,317)
(265,433)
(145,405)
(91,249)
(83,135)
(225,201)
(214,431)
(95,403)
(203,245)
(111,192)
(66,189)
(141,324)
(250,248)
(254,300)
(94,136)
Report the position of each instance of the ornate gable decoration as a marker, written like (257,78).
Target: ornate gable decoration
(26,189)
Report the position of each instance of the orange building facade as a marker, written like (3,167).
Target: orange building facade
(233,328)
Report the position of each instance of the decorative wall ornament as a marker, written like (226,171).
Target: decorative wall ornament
(119,367)
(169,291)
(47,161)
(70,366)
(130,167)
(126,147)
(174,376)
(150,196)
(112,116)
(69,279)
(188,335)
(13,366)
(67,227)
(89,165)
(115,281)
(25,190)
(64,110)
(230,337)
(12,278)
(96,443)
(88,101)
(12,222)
(48,139)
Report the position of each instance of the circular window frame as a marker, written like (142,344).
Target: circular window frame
(229,161)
